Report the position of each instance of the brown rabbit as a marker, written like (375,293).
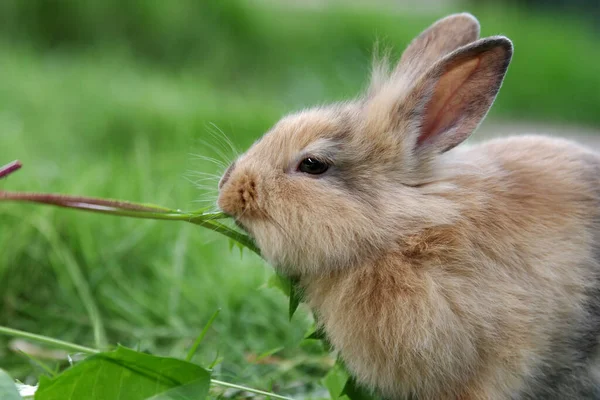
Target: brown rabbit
(436,272)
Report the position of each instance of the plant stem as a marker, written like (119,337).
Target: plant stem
(247,389)
(239,237)
(109,206)
(134,210)
(126,209)
(47,340)
(10,168)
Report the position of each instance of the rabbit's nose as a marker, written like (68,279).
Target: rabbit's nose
(239,196)
(226,175)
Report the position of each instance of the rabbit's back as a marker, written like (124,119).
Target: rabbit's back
(552,187)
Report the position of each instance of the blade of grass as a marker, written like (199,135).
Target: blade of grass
(78,279)
(268,353)
(247,389)
(40,364)
(51,342)
(178,268)
(196,344)
(216,361)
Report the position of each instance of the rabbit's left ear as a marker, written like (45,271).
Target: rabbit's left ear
(450,100)
(440,39)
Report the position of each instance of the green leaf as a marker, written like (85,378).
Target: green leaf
(280,282)
(195,390)
(268,353)
(334,381)
(120,374)
(294,298)
(241,246)
(289,287)
(356,392)
(8,389)
(317,334)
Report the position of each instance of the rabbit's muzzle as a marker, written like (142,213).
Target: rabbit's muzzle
(237,194)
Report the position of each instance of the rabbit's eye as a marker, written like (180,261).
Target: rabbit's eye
(312,166)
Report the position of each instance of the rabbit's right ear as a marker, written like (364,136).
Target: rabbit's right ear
(437,41)
(449,101)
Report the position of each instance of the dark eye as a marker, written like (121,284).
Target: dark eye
(312,166)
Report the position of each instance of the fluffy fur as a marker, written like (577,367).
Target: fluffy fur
(436,272)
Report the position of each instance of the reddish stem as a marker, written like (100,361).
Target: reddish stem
(10,168)
(75,201)
(69,201)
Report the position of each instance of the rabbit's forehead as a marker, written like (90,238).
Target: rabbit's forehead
(308,131)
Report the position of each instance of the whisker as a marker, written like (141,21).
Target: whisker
(225,138)
(224,158)
(217,140)
(242,214)
(222,149)
(200,180)
(204,201)
(219,163)
(203,178)
(277,225)
(206,198)
(207,190)
(202,175)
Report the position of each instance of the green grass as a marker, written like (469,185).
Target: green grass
(152,283)
(122,112)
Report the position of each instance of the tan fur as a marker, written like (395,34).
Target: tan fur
(461,274)
(491,288)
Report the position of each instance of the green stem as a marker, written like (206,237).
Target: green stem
(247,389)
(225,230)
(47,340)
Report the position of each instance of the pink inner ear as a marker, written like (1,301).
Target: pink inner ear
(446,104)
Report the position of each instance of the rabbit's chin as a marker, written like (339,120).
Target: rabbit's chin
(300,258)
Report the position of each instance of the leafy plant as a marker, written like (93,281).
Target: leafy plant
(121,373)
(126,373)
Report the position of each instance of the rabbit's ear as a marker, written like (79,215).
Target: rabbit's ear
(449,101)
(440,39)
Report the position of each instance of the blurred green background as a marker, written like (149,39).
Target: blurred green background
(127,99)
